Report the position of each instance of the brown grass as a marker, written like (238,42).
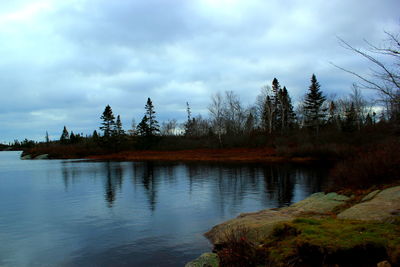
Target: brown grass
(373,167)
(214,155)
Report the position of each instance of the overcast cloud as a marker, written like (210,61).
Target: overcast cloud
(62,62)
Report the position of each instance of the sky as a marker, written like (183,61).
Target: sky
(62,62)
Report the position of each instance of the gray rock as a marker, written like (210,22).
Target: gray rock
(380,208)
(43,156)
(26,157)
(205,260)
(370,195)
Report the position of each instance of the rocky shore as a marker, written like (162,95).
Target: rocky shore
(326,227)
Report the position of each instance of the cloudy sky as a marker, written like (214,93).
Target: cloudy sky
(62,62)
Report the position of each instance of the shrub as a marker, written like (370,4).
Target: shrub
(374,166)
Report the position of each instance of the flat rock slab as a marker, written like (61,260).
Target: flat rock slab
(385,206)
(43,156)
(260,224)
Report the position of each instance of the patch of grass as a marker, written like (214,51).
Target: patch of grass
(311,242)
(238,250)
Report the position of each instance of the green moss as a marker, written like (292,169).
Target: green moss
(332,241)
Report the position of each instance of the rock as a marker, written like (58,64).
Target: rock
(384,264)
(44,156)
(26,157)
(318,203)
(205,260)
(370,195)
(260,224)
(381,208)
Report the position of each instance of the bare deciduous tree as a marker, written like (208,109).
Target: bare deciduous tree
(385,73)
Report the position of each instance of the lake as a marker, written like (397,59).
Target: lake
(86,213)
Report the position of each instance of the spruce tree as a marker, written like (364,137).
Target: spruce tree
(142,128)
(108,124)
(152,123)
(351,119)
(95,135)
(64,136)
(276,104)
(190,122)
(314,114)
(118,131)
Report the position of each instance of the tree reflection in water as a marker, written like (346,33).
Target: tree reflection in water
(227,185)
(113,181)
(145,171)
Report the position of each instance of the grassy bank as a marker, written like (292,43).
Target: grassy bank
(317,242)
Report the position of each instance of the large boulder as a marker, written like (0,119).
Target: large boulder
(258,225)
(384,206)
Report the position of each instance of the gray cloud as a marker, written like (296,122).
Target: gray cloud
(63,61)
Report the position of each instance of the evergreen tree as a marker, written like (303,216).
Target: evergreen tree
(153,127)
(72,138)
(190,122)
(118,131)
(351,119)
(108,124)
(142,128)
(285,109)
(95,135)
(276,104)
(314,114)
(64,136)
(47,138)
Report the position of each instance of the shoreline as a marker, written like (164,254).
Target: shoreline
(322,227)
(239,155)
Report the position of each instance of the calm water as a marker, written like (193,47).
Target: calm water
(74,213)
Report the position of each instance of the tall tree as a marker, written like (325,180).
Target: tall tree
(108,124)
(276,104)
(188,125)
(64,136)
(142,128)
(47,138)
(313,105)
(216,112)
(148,126)
(351,119)
(118,131)
(154,128)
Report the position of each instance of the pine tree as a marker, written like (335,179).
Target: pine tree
(95,135)
(72,138)
(152,123)
(142,128)
(118,131)
(190,122)
(108,124)
(276,104)
(64,136)
(314,114)
(351,119)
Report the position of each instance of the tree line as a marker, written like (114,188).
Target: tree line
(273,113)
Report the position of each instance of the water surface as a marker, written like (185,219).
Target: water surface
(82,213)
